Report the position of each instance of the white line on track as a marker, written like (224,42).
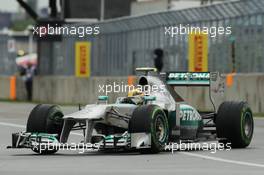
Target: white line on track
(185,153)
(12,125)
(223,160)
(22,126)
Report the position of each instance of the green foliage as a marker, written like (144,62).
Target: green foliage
(21,25)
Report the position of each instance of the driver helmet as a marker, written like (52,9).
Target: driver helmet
(135,92)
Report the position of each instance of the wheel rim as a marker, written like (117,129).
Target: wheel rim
(160,128)
(248,123)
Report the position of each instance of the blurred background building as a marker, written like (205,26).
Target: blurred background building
(92,9)
(147,6)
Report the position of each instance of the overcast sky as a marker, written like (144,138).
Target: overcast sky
(12,5)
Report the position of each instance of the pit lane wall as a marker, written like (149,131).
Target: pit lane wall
(4,87)
(244,87)
(72,90)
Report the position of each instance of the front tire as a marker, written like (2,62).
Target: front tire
(151,119)
(45,118)
(234,122)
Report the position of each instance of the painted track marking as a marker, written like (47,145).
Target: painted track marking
(223,160)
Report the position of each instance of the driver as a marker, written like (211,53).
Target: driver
(135,92)
(134,97)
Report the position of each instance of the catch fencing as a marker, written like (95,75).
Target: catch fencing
(7,55)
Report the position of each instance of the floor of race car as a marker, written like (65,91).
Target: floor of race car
(13,118)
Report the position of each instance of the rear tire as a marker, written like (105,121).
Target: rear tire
(234,122)
(45,118)
(151,119)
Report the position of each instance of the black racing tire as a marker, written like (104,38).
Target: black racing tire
(148,119)
(234,122)
(45,118)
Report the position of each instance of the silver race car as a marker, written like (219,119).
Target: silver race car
(146,121)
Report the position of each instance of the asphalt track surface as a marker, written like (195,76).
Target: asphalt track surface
(13,117)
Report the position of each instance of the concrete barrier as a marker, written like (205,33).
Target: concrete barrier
(245,87)
(248,87)
(21,93)
(72,90)
(4,87)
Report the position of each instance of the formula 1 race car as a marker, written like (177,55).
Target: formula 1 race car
(143,122)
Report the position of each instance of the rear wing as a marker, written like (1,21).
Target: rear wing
(188,78)
(213,80)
